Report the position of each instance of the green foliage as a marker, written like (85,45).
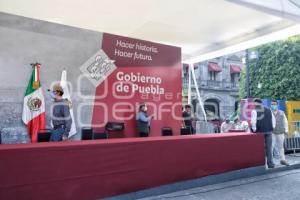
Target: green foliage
(242,92)
(277,70)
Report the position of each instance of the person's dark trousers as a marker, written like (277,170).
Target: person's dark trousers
(143,134)
(268,149)
(57,134)
(191,130)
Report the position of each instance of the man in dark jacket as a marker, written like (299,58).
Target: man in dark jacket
(263,121)
(143,121)
(61,118)
(187,119)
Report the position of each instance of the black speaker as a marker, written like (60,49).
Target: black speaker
(87,133)
(44,135)
(166,131)
(114,126)
(97,136)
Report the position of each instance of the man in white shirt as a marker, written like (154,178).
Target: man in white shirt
(280,130)
(263,121)
(226,126)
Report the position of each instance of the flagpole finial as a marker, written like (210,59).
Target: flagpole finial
(36,68)
(36,64)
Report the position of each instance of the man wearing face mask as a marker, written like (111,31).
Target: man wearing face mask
(143,121)
(61,118)
(280,130)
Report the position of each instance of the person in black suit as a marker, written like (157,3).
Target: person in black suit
(264,122)
(187,118)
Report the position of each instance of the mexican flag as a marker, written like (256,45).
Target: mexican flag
(34,105)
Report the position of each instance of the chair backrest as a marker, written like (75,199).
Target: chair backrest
(114,126)
(166,131)
(97,136)
(44,135)
(87,133)
(186,131)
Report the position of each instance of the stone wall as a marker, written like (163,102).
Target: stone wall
(56,47)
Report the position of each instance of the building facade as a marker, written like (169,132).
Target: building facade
(218,83)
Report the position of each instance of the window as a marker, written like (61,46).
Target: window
(213,76)
(234,79)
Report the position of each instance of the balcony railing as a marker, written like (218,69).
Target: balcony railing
(210,84)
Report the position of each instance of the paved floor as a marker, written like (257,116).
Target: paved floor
(293,159)
(282,185)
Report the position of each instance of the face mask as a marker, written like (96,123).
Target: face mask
(145,109)
(52,94)
(274,107)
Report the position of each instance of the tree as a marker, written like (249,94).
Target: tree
(277,70)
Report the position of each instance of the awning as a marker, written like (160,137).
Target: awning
(235,69)
(214,67)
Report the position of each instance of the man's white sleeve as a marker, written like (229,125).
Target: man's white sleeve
(273,121)
(286,125)
(253,120)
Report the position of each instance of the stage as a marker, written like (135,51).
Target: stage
(103,168)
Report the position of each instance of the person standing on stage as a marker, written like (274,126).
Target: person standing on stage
(143,121)
(280,130)
(187,118)
(263,121)
(61,118)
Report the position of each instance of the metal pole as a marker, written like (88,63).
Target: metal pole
(190,86)
(197,90)
(247,83)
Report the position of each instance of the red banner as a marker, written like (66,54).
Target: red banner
(145,72)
